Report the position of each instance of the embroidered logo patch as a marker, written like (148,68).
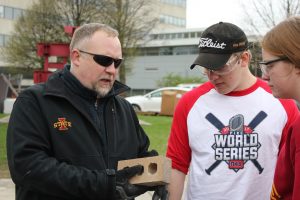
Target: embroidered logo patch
(62,124)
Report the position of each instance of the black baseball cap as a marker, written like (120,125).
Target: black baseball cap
(217,43)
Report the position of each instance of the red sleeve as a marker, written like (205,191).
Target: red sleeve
(178,144)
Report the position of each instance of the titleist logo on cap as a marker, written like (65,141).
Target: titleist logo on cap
(207,42)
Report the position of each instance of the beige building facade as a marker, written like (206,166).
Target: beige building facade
(171,14)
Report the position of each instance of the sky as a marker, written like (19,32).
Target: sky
(203,13)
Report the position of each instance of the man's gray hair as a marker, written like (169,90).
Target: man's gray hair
(86,31)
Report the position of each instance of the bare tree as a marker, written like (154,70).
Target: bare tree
(261,15)
(78,12)
(44,22)
(133,20)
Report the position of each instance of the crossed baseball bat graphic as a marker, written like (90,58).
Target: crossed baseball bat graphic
(236,123)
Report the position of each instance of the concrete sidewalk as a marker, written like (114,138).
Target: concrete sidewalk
(5,119)
(7,191)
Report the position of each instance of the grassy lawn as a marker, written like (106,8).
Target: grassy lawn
(158,133)
(3,161)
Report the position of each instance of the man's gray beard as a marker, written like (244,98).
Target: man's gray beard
(101,92)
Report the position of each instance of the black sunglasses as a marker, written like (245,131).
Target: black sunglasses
(104,61)
(272,61)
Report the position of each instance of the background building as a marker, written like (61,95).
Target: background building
(169,51)
(10,10)
(171,48)
(171,13)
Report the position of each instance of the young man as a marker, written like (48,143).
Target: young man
(66,136)
(227,133)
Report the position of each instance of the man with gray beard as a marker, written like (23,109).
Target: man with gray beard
(66,136)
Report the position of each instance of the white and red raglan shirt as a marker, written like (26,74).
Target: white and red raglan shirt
(228,144)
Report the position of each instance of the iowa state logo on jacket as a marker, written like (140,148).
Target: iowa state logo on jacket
(62,124)
(237,143)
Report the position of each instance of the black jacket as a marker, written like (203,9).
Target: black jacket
(57,150)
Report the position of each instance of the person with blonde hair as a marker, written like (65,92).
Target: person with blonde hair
(281,69)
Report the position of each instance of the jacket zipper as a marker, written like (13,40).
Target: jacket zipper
(107,145)
(96,104)
(96,108)
(115,127)
(113,114)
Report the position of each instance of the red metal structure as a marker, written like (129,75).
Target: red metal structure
(59,50)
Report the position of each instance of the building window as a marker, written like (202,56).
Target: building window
(179,35)
(8,12)
(17,13)
(1,11)
(169,36)
(3,40)
(173,35)
(181,50)
(11,13)
(167,19)
(181,3)
(165,51)
(6,39)
(192,34)
(154,36)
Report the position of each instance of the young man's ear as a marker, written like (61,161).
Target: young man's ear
(245,59)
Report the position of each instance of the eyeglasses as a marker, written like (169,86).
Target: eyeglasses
(226,69)
(104,61)
(265,66)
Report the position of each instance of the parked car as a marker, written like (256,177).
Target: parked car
(189,85)
(151,102)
